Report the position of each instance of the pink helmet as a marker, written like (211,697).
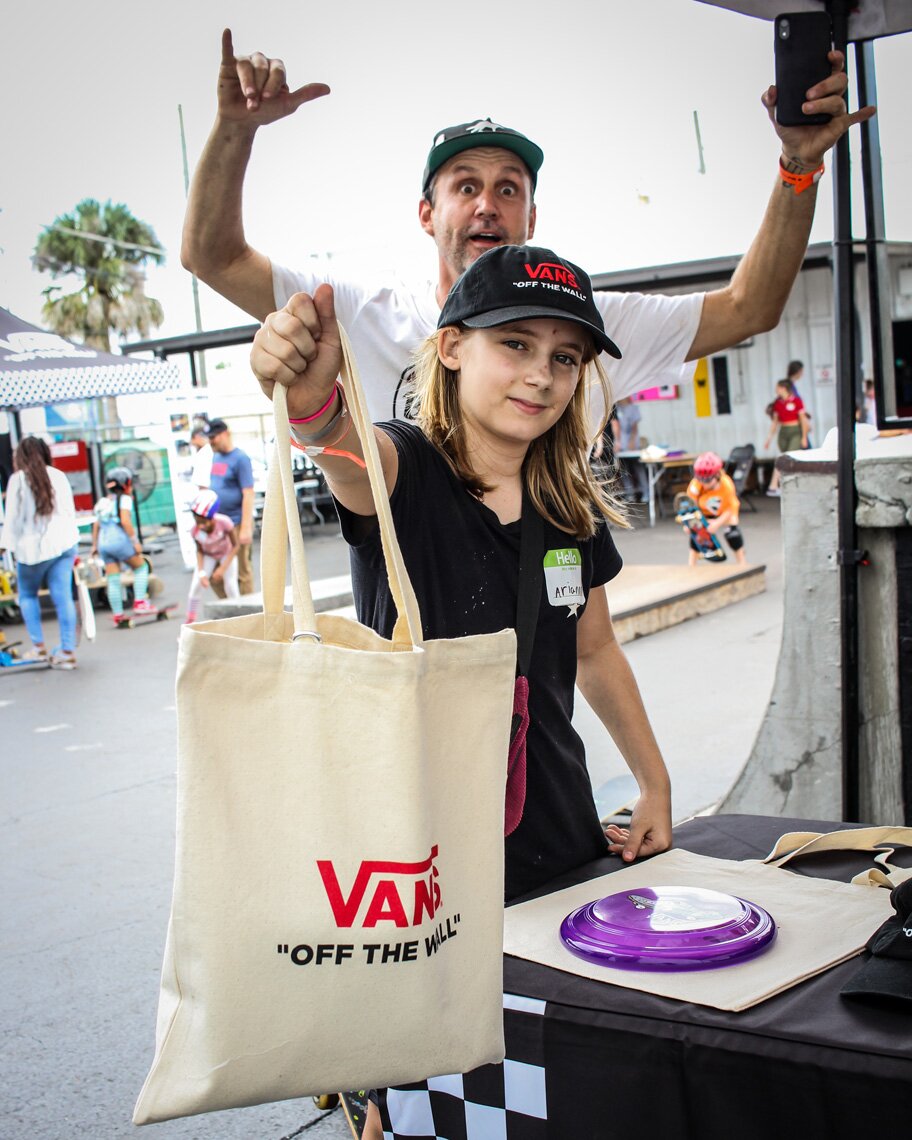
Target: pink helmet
(205,504)
(707,466)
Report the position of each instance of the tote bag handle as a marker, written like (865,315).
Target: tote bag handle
(872,839)
(282,528)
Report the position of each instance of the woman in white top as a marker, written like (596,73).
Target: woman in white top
(40,529)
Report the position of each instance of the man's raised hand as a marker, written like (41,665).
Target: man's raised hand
(253,88)
(808,144)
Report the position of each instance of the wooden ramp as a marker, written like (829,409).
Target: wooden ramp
(647,599)
(643,599)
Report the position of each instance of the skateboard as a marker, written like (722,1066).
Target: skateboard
(689,515)
(616,798)
(157,613)
(10,659)
(354,1108)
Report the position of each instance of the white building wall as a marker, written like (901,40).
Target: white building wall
(806,332)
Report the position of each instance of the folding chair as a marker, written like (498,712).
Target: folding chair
(739,465)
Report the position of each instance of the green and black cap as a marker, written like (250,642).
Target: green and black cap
(481,132)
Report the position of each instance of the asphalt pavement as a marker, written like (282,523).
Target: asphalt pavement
(87,833)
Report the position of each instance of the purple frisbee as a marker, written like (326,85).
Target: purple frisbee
(668,928)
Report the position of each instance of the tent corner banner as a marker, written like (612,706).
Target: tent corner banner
(38,367)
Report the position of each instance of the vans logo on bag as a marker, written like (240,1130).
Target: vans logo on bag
(402,893)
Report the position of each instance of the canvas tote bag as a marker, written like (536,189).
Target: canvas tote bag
(820,923)
(337,914)
(873,839)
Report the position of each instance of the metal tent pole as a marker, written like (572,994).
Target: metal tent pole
(847,545)
(876,259)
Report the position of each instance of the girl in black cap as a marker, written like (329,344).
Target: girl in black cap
(501,417)
(499,445)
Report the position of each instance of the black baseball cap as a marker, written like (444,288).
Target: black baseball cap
(514,282)
(216,427)
(885,979)
(481,132)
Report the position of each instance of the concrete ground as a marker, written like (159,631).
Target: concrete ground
(87,833)
(706,683)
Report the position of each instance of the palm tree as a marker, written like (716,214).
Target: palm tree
(107,247)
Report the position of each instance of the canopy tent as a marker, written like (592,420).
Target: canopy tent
(39,367)
(867,19)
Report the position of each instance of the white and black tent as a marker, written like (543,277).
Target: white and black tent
(39,367)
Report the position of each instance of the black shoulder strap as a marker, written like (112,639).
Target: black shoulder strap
(531,555)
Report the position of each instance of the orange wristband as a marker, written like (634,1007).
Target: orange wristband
(800,182)
(332,449)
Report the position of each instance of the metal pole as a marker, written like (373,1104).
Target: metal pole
(848,554)
(699,143)
(883,370)
(193,280)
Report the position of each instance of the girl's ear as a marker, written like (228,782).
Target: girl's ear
(448,344)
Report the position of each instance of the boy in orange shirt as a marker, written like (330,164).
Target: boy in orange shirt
(714,493)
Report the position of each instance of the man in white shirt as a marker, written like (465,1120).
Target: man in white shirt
(201,472)
(478,192)
(191,483)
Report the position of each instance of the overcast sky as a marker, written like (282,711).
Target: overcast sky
(608,90)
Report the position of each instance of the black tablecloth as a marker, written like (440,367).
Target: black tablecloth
(804,1063)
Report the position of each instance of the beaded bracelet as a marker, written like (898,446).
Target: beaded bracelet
(800,182)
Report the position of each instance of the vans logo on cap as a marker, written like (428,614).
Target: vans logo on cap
(552,271)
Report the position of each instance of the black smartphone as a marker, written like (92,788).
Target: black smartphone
(802,42)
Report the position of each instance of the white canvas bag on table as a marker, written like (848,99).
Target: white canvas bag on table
(819,922)
(337,915)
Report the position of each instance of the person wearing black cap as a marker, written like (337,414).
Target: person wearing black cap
(478,193)
(231,477)
(496,459)
(502,414)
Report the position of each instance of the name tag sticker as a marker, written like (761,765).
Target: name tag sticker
(564,578)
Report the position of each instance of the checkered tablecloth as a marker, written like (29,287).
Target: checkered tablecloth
(495,1102)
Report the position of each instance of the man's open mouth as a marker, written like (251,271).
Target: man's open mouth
(486,237)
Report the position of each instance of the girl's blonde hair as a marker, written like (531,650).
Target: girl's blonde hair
(556,470)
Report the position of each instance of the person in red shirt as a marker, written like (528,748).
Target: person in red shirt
(789,416)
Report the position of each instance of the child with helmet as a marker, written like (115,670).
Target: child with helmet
(216,548)
(714,493)
(115,539)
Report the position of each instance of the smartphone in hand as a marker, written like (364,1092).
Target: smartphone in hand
(802,41)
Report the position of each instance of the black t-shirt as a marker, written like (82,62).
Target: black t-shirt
(464,566)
